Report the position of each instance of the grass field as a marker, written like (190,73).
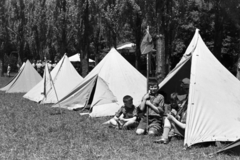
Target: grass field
(31,131)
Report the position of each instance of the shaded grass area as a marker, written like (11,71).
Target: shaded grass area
(31,131)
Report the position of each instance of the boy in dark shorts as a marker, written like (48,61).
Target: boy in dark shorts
(155,103)
(176,120)
(126,116)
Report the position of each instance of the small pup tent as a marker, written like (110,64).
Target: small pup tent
(13,79)
(52,88)
(213,112)
(26,78)
(105,86)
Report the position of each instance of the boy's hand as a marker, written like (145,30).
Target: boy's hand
(169,116)
(146,96)
(121,118)
(173,112)
(148,102)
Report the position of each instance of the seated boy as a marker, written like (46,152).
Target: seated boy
(176,119)
(126,116)
(154,101)
(179,125)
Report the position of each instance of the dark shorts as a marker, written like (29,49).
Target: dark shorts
(155,124)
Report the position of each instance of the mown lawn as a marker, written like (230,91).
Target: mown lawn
(31,131)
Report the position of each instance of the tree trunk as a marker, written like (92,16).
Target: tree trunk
(138,36)
(2,39)
(2,52)
(238,68)
(97,44)
(218,26)
(84,54)
(2,73)
(160,58)
(168,35)
(21,30)
(64,29)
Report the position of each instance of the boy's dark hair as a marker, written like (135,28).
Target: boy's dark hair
(127,98)
(152,81)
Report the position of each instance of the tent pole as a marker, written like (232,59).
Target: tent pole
(147,86)
(54,88)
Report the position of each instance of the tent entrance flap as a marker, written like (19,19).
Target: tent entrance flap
(103,94)
(90,99)
(173,80)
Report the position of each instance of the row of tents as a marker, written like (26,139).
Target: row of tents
(213,102)
(102,89)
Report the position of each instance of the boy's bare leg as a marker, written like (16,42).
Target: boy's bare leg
(140,131)
(129,124)
(107,122)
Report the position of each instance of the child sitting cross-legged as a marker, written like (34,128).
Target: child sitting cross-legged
(126,117)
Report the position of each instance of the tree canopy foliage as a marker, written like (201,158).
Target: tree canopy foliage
(50,28)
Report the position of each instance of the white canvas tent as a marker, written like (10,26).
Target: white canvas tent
(26,78)
(13,79)
(64,79)
(213,112)
(76,58)
(106,85)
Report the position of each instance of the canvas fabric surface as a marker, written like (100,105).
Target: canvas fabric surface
(108,82)
(64,79)
(25,80)
(213,102)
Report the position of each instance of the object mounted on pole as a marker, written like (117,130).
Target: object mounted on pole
(147,43)
(146,48)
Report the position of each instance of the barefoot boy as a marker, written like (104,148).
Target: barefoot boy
(155,103)
(126,116)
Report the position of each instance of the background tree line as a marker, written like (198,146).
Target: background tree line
(35,29)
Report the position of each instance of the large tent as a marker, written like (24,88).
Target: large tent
(26,78)
(63,79)
(213,112)
(105,86)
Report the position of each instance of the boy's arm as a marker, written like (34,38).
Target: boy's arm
(120,117)
(142,105)
(116,118)
(143,102)
(118,114)
(152,106)
(174,120)
(135,115)
(129,119)
(159,107)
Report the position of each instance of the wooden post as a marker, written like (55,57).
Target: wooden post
(147,85)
